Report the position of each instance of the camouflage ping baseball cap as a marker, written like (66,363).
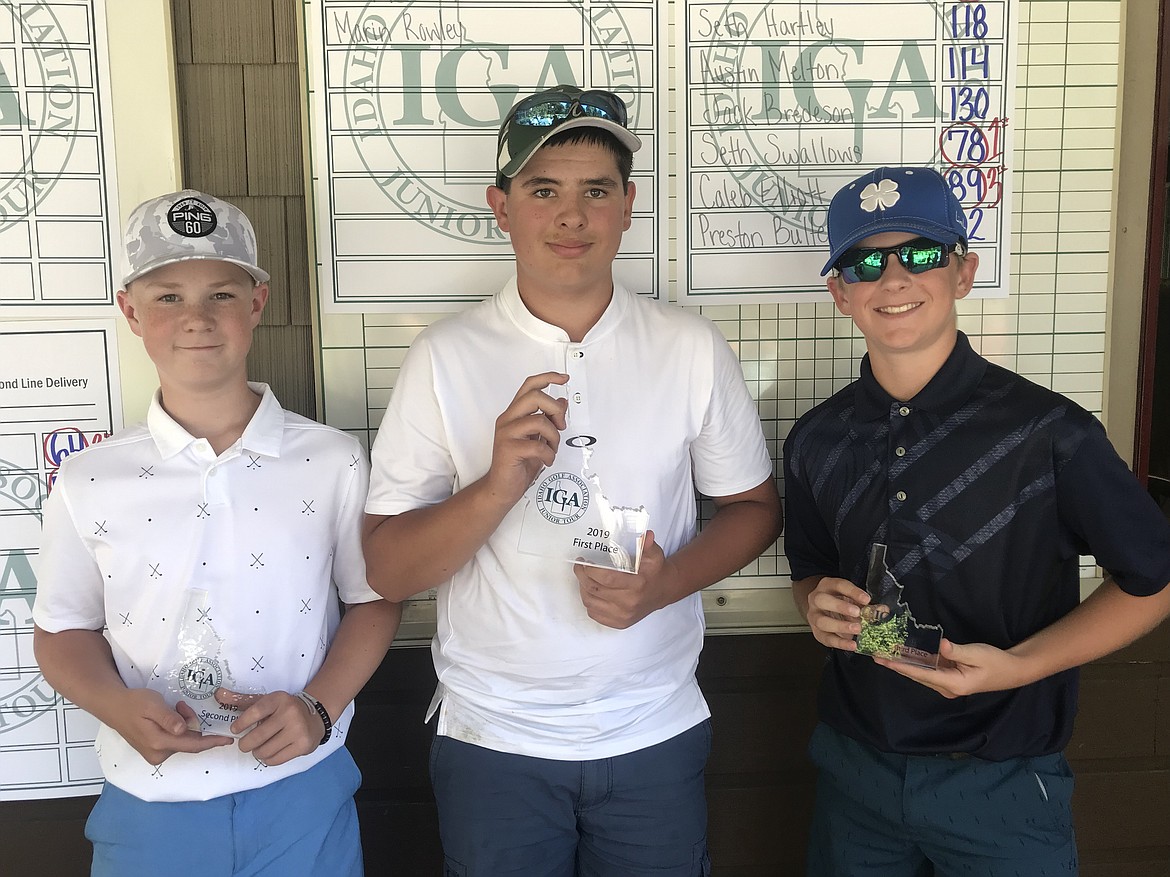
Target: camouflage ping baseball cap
(187,225)
(534,119)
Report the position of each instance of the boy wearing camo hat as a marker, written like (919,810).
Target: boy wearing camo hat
(213,545)
(571,734)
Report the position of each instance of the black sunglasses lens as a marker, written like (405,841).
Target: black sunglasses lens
(545,111)
(920,257)
(862,265)
(917,257)
(603,105)
(543,114)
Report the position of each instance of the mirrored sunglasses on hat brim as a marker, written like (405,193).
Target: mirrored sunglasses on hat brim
(866,264)
(551,108)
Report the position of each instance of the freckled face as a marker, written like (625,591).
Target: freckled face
(903,313)
(565,213)
(195,319)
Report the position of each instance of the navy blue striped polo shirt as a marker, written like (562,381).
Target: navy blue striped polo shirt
(986,488)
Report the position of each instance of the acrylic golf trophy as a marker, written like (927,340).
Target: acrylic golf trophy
(888,628)
(200,668)
(567,515)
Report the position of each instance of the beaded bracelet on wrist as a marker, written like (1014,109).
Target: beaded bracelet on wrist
(316,706)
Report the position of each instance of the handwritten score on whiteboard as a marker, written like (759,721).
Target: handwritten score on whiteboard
(783,103)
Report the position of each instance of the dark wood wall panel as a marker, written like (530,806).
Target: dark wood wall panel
(762,694)
(1162,711)
(1130,809)
(43,838)
(759,783)
(1116,719)
(1144,868)
(1154,648)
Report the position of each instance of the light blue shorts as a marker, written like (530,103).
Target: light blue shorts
(302,826)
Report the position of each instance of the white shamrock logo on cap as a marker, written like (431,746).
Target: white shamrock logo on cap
(881,195)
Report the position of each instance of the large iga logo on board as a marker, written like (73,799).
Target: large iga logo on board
(39,94)
(562,498)
(25,696)
(411,73)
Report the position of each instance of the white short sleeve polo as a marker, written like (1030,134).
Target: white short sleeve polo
(270,529)
(521,666)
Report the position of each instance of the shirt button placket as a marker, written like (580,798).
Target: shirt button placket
(213,482)
(578,387)
(902,411)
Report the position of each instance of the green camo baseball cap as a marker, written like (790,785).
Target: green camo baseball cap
(534,119)
(187,225)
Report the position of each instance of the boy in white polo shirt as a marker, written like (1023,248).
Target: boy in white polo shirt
(210,545)
(571,732)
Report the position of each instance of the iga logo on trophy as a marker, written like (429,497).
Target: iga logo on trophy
(200,677)
(562,498)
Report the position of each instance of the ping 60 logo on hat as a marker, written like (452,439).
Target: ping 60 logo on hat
(190,217)
(188,225)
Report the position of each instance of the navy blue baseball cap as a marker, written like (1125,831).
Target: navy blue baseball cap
(916,200)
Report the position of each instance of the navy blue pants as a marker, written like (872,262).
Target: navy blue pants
(883,815)
(302,826)
(644,813)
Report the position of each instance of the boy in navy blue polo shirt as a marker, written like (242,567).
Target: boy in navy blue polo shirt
(985,489)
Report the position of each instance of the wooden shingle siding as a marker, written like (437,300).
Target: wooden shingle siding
(282,356)
(272,109)
(181,22)
(297,265)
(233,31)
(240,122)
(268,217)
(211,123)
(284,27)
